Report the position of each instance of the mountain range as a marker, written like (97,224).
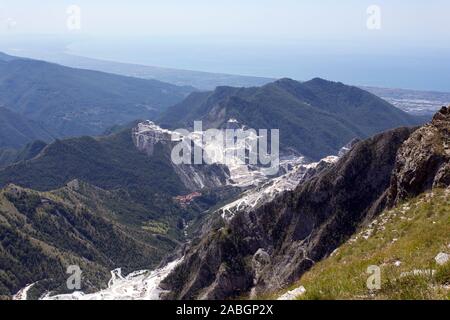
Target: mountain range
(316,118)
(368,207)
(84,181)
(198,79)
(267,248)
(44,101)
(72,102)
(422,103)
(124,181)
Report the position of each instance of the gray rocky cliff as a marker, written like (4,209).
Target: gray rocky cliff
(262,250)
(423,161)
(266,249)
(146,135)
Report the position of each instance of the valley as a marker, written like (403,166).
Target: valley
(87,178)
(249,221)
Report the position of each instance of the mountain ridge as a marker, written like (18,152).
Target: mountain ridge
(316,117)
(70,102)
(16,131)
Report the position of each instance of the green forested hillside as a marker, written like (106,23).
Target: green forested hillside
(124,216)
(9,156)
(73,102)
(16,131)
(316,117)
(41,233)
(112,162)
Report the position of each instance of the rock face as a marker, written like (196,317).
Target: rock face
(256,197)
(146,135)
(265,249)
(270,246)
(423,161)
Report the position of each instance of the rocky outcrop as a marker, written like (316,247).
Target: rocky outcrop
(147,135)
(270,246)
(423,161)
(267,248)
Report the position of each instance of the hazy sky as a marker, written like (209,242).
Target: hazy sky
(277,38)
(415,20)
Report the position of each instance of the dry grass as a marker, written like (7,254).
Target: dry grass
(401,240)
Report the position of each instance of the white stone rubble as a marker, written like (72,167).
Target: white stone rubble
(139,285)
(293,294)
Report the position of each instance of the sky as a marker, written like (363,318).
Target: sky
(398,45)
(413,19)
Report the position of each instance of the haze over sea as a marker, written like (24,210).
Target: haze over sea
(355,63)
(388,43)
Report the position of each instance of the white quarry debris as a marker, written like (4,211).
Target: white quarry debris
(147,134)
(442,258)
(293,294)
(367,233)
(22,294)
(329,159)
(149,126)
(266,192)
(139,285)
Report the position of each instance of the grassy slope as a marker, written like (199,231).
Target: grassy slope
(413,233)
